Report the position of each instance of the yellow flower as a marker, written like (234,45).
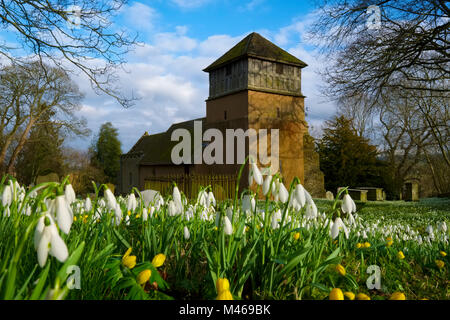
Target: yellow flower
(397,296)
(224,295)
(443,253)
(138,216)
(340,269)
(389,242)
(128,213)
(440,264)
(158,260)
(366,244)
(222,284)
(358,245)
(74,218)
(400,255)
(336,294)
(143,276)
(247,228)
(215,228)
(362,296)
(296,235)
(127,260)
(350,295)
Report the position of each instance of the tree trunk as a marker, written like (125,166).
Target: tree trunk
(23,139)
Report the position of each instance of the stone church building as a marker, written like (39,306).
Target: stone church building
(255,85)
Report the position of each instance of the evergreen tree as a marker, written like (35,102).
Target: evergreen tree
(346,159)
(107,151)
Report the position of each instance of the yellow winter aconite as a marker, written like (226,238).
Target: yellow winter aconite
(158,260)
(223,289)
(366,244)
(400,255)
(397,296)
(358,245)
(349,295)
(443,253)
(225,295)
(440,264)
(143,276)
(362,296)
(336,294)
(389,242)
(340,269)
(296,235)
(222,284)
(129,261)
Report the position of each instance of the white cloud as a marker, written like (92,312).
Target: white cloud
(140,16)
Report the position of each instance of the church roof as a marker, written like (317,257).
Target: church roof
(156,149)
(256,46)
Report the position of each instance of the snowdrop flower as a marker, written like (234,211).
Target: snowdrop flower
(131,202)
(248,204)
(144,214)
(127,220)
(255,174)
(87,204)
(47,240)
(429,229)
(117,214)
(276,219)
(186,233)
(110,199)
(283,193)
(64,215)
(177,197)
(173,208)
(443,226)
(228,228)
(337,227)
(203,199)
(7,196)
(348,205)
(311,210)
(211,199)
(70,194)
(266,185)
(299,195)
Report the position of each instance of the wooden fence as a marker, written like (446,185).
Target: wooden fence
(223,186)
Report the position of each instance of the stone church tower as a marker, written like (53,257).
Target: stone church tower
(255,85)
(258,85)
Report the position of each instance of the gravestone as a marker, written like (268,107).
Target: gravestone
(411,191)
(329,195)
(358,194)
(373,194)
(51,177)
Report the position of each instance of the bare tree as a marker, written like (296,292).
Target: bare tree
(71,35)
(361,113)
(411,40)
(27,94)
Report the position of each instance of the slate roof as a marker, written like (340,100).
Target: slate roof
(256,46)
(156,149)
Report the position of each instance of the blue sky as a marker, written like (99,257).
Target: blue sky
(179,38)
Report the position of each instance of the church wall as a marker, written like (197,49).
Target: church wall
(286,113)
